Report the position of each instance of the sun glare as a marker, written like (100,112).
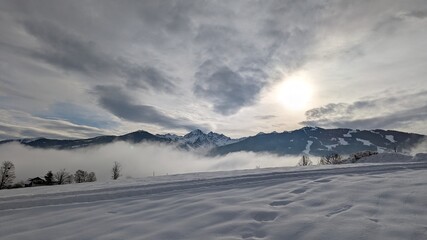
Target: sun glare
(295,93)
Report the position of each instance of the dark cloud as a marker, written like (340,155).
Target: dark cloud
(421,14)
(174,17)
(115,100)
(266,117)
(329,110)
(143,76)
(386,112)
(390,24)
(71,53)
(66,51)
(228,90)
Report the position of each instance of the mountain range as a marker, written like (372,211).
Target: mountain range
(307,140)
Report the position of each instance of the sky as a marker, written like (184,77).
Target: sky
(77,69)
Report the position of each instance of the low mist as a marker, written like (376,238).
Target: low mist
(138,160)
(420,147)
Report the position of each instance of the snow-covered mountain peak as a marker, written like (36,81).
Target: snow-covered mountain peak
(196,132)
(198,139)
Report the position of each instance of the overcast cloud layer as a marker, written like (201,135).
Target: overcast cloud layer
(84,68)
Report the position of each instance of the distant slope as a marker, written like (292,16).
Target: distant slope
(307,140)
(193,140)
(319,141)
(134,137)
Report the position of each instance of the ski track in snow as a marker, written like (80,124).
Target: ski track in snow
(366,201)
(308,147)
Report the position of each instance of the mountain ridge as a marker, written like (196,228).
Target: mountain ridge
(318,141)
(307,140)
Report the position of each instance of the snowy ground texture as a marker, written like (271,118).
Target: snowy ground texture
(355,201)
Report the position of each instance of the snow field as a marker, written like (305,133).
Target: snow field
(363,201)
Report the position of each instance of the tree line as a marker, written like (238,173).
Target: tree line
(335,158)
(325,160)
(7,176)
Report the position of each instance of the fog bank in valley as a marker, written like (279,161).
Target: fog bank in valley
(138,160)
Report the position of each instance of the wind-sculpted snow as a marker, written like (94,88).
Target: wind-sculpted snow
(366,201)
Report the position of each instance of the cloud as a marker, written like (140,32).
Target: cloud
(118,102)
(79,115)
(53,52)
(328,111)
(402,111)
(421,147)
(265,117)
(159,46)
(66,51)
(390,121)
(141,77)
(139,160)
(228,90)
(421,14)
(71,53)
(16,124)
(238,61)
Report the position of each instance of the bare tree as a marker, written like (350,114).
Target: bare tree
(91,177)
(305,161)
(7,174)
(69,179)
(80,176)
(115,171)
(331,159)
(62,177)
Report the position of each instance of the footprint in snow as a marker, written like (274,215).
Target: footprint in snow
(299,190)
(373,220)
(280,203)
(339,210)
(264,216)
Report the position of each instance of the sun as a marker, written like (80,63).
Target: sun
(295,92)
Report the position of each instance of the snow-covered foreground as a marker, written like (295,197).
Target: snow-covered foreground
(361,201)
